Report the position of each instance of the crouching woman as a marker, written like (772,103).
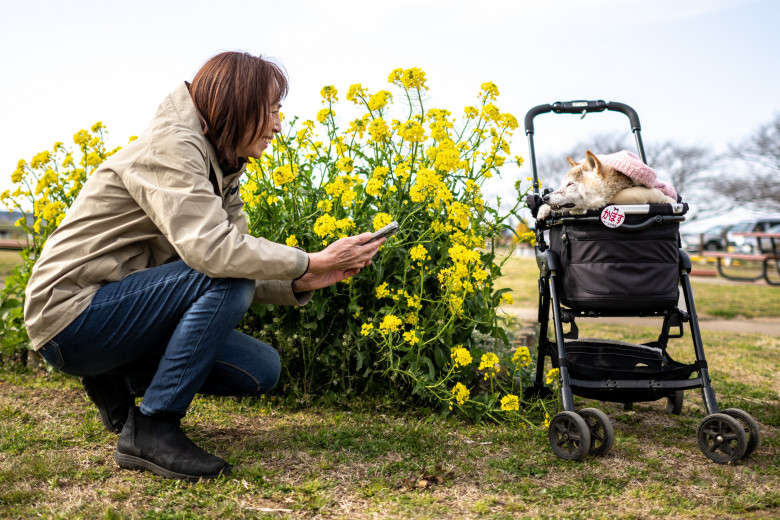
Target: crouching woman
(140,289)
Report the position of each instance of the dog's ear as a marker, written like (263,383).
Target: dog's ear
(572,162)
(592,162)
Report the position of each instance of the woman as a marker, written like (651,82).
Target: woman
(140,289)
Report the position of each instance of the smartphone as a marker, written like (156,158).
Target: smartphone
(386,231)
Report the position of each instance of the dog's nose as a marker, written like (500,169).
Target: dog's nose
(546,197)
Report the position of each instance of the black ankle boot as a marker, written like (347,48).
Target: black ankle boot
(112,398)
(158,445)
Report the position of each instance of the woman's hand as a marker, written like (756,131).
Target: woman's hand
(311,282)
(340,260)
(345,254)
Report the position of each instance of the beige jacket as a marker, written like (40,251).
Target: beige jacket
(152,202)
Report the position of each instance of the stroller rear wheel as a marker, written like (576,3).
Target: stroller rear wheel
(749,425)
(569,436)
(602,435)
(721,438)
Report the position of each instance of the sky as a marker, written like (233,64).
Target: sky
(699,72)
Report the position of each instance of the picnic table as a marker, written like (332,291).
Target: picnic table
(12,244)
(762,254)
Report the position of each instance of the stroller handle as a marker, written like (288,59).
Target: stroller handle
(579,107)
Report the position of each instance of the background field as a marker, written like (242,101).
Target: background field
(8,260)
(385,459)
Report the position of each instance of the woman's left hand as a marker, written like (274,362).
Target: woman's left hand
(311,281)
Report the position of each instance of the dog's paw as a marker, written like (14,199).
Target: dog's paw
(544,212)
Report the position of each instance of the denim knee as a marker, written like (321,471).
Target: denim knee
(239,294)
(231,379)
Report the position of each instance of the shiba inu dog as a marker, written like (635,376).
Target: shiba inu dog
(596,183)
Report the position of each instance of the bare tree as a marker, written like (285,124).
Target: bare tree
(552,168)
(685,166)
(759,185)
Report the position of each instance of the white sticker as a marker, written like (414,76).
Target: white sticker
(613,216)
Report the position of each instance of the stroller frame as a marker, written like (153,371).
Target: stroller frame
(620,372)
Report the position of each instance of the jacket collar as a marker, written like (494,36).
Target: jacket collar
(188,114)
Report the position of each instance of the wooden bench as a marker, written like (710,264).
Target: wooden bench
(763,258)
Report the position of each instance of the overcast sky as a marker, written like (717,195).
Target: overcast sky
(697,71)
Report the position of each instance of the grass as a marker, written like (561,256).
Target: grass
(8,260)
(714,298)
(380,459)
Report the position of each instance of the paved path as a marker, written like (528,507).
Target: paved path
(768,326)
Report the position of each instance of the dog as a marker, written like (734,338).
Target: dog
(594,184)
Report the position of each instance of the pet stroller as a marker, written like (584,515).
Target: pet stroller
(590,269)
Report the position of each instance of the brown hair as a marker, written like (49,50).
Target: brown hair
(234,92)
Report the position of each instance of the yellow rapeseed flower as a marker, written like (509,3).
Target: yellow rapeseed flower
(379,130)
(329,94)
(489,91)
(509,403)
(81,138)
(284,174)
(522,357)
(379,100)
(291,241)
(552,376)
(460,356)
(413,78)
(489,363)
(323,114)
(366,329)
(412,131)
(461,393)
(411,337)
(356,92)
(418,253)
(390,323)
(382,291)
(40,159)
(325,225)
(345,164)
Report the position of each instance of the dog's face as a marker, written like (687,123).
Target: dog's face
(588,185)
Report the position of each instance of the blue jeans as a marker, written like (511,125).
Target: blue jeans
(170,331)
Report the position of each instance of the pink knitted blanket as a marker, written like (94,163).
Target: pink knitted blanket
(632,166)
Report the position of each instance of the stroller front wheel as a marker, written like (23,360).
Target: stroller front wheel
(569,436)
(721,438)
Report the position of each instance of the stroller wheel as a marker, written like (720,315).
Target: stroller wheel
(721,438)
(602,436)
(569,436)
(674,403)
(749,425)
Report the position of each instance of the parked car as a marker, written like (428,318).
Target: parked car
(743,244)
(712,239)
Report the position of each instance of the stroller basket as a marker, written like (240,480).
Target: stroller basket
(599,359)
(632,268)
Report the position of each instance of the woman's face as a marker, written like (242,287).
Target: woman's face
(257,145)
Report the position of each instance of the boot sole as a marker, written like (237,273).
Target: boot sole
(132,462)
